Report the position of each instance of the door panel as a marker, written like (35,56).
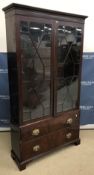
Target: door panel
(68,60)
(36,45)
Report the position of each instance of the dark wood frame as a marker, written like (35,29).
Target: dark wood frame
(53,128)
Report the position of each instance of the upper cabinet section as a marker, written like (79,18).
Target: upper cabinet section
(48,49)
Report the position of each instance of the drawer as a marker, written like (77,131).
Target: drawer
(67,119)
(34,130)
(38,146)
(43,127)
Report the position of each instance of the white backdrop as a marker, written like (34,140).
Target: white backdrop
(72,6)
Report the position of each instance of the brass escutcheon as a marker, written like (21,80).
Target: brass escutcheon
(35,132)
(68,135)
(36,148)
(69,121)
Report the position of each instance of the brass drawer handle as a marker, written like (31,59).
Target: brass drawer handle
(68,136)
(35,132)
(69,121)
(36,148)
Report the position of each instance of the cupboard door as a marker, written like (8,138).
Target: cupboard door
(36,46)
(69,47)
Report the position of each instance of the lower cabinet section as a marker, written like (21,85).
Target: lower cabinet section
(39,137)
(38,146)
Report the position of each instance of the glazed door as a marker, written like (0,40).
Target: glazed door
(36,57)
(50,67)
(68,54)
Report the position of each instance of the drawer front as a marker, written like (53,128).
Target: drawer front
(67,119)
(34,130)
(33,148)
(40,128)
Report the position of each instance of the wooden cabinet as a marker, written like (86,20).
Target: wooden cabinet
(44,63)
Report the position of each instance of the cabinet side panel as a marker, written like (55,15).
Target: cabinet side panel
(12,67)
(13,87)
(13,82)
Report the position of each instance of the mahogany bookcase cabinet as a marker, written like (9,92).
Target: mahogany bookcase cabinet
(44,64)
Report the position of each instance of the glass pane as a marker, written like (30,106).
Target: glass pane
(68,59)
(36,53)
